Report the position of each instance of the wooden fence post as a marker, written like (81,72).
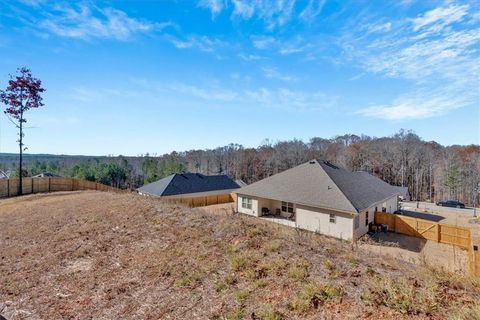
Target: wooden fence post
(439,227)
(8,188)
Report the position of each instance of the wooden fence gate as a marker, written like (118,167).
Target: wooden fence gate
(426,229)
(430,230)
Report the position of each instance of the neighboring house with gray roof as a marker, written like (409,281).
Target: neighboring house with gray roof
(192,188)
(46,175)
(321,197)
(404,193)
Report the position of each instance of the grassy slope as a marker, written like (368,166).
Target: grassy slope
(101,255)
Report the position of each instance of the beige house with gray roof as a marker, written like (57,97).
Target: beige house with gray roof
(321,197)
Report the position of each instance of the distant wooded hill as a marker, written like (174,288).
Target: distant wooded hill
(430,170)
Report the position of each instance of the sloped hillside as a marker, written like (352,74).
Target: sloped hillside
(93,255)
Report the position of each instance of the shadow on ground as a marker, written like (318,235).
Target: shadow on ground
(401,241)
(422,215)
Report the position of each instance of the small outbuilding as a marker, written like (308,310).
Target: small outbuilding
(321,197)
(46,175)
(194,189)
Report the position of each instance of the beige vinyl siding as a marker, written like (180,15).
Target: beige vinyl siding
(257,205)
(318,220)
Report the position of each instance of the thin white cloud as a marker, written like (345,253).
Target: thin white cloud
(263,42)
(281,98)
(90,22)
(312,10)
(273,13)
(215,6)
(440,17)
(380,27)
(436,52)
(242,9)
(202,43)
(423,104)
(250,57)
(214,93)
(290,100)
(207,93)
(32,3)
(273,73)
(291,50)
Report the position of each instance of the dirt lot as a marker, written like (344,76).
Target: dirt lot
(420,251)
(93,255)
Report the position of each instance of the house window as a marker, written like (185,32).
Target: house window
(332,218)
(366,218)
(247,203)
(287,207)
(356,222)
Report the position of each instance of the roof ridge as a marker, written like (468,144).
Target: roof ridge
(340,189)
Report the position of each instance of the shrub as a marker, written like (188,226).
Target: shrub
(241,297)
(312,295)
(261,283)
(185,281)
(254,232)
(276,266)
(223,284)
(273,246)
(328,264)
(464,313)
(270,314)
(298,272)
(403,297)
(236,314)
(238,262)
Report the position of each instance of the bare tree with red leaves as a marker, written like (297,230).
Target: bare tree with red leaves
(22,94)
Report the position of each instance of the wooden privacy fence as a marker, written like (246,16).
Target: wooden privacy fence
(430,230)
(10,187)
(201,201)
(426,229)
(474,258)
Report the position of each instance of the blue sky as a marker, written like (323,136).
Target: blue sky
(130,77)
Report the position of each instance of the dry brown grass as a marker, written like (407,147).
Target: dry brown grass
(80,255)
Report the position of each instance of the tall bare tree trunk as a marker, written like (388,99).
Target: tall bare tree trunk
(20,178)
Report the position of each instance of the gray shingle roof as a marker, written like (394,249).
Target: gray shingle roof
(184,183)
(322,184)
(404,193)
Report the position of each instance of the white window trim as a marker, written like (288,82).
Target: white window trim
(247,203)
(334,218)
(287,205)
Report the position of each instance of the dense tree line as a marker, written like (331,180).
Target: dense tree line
(428,169)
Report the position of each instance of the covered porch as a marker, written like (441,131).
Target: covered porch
(277,210)
(280,220)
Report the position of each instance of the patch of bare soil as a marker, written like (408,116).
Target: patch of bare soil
(94,255)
